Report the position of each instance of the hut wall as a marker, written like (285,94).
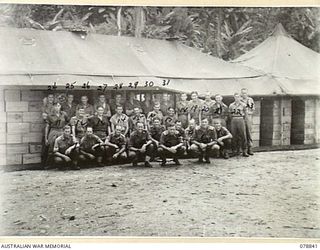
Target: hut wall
(256,124)
(310,123)
(21,126)
(317,120)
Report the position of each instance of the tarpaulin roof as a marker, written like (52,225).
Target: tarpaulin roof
(282,56)
(37,52)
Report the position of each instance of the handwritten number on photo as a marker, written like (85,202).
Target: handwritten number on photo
(103,88)
(53,86)
(149,84)
(165,82)
(86,85)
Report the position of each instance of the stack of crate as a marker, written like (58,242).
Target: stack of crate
(256,124)
(24,126)
(309,121)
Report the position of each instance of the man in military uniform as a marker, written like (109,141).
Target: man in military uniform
(156,112)
(155,132)
(91,147)
(189,132)
(165,104)
(102,103)
(131,104)
(69,106)
(194,108)
(219,110)
(65,150)
(47,107)
(87,107)
(120,119)
(249,102)
(140,146)
(115,103)
(115,149)
(204,141)
(183,109)
(171,145)
(170,118)
(223,139)
(180,130)
(137,117)
(79,124)
(100,124)
(238,112)
(206,109)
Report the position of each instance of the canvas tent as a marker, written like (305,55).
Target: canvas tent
(294,118)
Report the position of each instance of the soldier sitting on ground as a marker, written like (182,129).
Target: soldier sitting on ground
(204,141)
(65,151)
(171,145)
(223,139)
(140,146)
(155,133)
(91,148)
(115,149)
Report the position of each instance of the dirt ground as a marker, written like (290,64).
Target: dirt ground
(272,194)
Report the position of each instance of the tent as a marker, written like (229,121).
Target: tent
(37,57)
(294,66)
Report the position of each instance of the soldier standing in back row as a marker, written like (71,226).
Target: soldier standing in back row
(249,102)
(182,110)
(219,110)
(238,112)
(194,108)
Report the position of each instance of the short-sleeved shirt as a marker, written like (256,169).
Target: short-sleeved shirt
(119,140)
(114,105)
(164,107)
(223,131)
(249,102)
(155,132)
(170,140)
(80,125)
(57,122)
(63,143)
(99,125)
(169,120)
(105,105)
(88,141)
(181,133)
(133,120)
(153,114)
(122,120)
(131,106)
(237,109)
(206,109)
(88,109)
(205,135)
(70,110)
(47,108)
(182,108)
(219,110)
(137,139)
(195,108)
(189,132)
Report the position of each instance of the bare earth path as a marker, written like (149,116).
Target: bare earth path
(273,194)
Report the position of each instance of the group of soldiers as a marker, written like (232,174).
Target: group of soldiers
(145,131)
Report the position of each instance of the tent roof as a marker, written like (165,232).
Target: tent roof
(36,52)
(282,56)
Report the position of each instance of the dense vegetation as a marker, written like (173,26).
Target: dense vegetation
(223,32)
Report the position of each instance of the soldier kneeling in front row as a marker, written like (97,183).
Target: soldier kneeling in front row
(140,146)
(65,150)
(223,139)
(116,146)
(171,145)
(91,148)
(204,141)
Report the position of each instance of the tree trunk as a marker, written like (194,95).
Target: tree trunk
(218,34)
(119,20)
(140,21)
